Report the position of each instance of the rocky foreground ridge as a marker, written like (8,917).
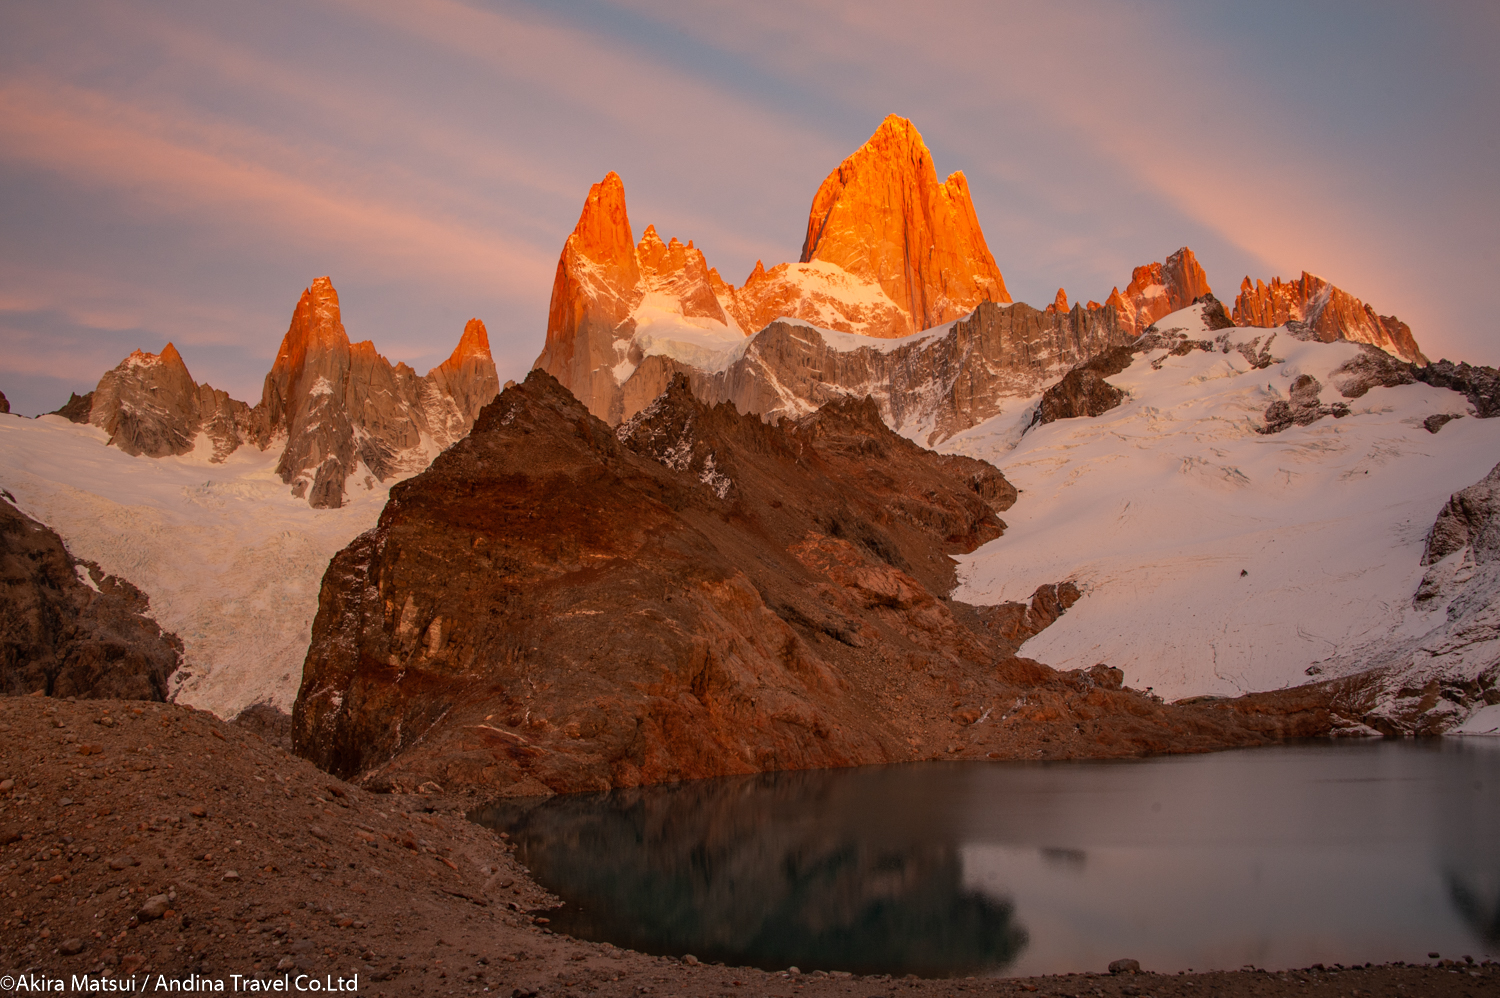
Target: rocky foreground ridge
(889,252)
(338,409)
(558,606)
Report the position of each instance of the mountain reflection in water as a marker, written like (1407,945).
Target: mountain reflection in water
(1278,857)
(775,870)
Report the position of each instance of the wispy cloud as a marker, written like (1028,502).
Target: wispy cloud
(184,168)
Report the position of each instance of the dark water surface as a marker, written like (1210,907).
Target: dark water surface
(1278,857)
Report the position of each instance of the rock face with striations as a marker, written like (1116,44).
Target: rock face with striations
(554,605)
(149,404)
(335,407)
(927,388)
(1325,312)
(342,407)
(67,629)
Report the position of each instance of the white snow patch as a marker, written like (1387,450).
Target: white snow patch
(85,577)
(321,387)
(1484,721)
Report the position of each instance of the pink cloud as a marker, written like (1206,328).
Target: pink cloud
(183,167)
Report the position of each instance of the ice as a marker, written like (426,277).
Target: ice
(231,561)
(1215,559)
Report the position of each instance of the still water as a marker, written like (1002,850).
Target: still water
(1278,857)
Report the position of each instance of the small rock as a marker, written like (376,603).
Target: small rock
(154,908)
(71,947)
(121,862)
(317,833)
(1125,967)
(199,812)
(131,963)
(690,960)
(231,876)
(7,785)
(286,963)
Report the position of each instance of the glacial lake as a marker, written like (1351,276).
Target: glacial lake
(1274,857)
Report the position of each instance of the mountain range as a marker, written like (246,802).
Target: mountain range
(842,513)
(336,410)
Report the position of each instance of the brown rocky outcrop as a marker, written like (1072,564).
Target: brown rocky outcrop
(4,403)
(77,408)
(556,606)
(1302,407)
(1013,624)
(1327,312)
(335,406)
(69,630)
(1083,390)
(883,216)
(1470,519)
(1479,384)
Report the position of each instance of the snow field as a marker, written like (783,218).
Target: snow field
(231,560)
(1215,559)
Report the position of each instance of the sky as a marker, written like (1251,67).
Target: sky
(180,171)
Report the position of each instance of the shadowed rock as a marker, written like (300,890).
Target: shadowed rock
(67,629)
(556,606)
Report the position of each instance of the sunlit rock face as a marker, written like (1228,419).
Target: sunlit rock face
(338,409)
(1329,313)
(1158,289)
(883,216)
(889,251)
(597,287)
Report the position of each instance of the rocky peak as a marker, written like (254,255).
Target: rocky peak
(1059,303)
(603,234)
(883,215)
(1326,311)
(682,274)
(1157,289)
(149,405)
(342,407)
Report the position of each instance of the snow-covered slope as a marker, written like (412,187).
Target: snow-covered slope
(231,561)
(1216,559)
